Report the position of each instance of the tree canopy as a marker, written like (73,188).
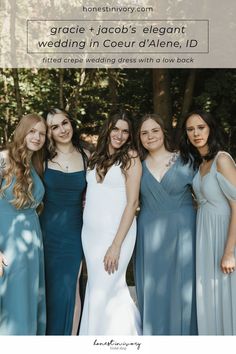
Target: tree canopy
(90,95)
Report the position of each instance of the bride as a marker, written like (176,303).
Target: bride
(109,231)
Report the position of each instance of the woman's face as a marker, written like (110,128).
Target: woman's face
(60,129)
(198,132)
(35,138)
(118,135)
(151,135)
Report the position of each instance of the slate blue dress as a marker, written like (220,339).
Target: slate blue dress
(165,253)
(61,223)
(22,288)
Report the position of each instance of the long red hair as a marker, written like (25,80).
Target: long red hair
(19,163)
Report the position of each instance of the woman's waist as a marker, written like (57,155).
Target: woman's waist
(63,245)
(66,195)
(65,200)
(214,208)
(103,225)
(108,200)
(177,207)
(61,221)
(7,209)
(65,208)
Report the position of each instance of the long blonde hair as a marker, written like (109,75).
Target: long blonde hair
(19,163)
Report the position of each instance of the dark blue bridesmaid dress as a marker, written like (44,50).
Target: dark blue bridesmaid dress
(61,223)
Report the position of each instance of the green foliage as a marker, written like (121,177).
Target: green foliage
(91,94)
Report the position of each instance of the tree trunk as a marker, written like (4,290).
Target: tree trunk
(188,95)
(112,84)
(15,76)
(161,95)
(6,127)
(61,92)
(7,117)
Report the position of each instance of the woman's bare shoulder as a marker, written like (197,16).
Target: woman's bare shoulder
(133,153)
(226,166)
(224,162)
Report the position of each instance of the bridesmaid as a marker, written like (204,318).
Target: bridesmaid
(165,249)
(22,290)
(215,189)
(61,222)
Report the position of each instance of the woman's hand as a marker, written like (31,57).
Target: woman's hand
(111,258)
(3,262)
(228,263)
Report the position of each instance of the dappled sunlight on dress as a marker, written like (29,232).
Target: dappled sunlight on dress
(165,253)
(22,291)
(216,292)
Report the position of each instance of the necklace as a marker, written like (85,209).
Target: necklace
(64,167)
(65,161)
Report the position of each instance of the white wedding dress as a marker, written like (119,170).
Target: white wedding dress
(108,306)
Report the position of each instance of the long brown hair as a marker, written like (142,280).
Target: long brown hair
(101,158)
(19,163)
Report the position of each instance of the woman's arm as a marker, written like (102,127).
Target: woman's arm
(133,177)
(3,262)
(226,166)
(3,165)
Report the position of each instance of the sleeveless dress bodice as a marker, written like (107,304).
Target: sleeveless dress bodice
(108,306)
(61,223)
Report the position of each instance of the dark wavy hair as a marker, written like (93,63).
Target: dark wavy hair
(167,142)
(101,159)
(50,145)
(216,140)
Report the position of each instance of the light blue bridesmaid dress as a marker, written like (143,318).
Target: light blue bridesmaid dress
(216,291)
(22,291)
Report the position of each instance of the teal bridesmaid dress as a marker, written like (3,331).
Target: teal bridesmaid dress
(22,290)
(165,253)
(61,223)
